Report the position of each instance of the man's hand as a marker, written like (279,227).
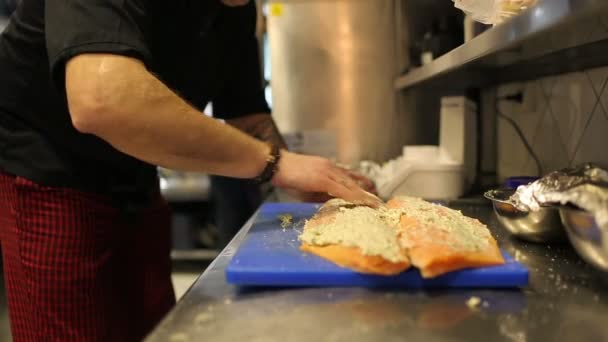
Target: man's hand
(262,126)
(363,182)
(319,175)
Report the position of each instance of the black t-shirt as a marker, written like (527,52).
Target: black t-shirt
(201,49)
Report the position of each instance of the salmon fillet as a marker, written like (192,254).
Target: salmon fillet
(440,240)
(351,256)
(410,231)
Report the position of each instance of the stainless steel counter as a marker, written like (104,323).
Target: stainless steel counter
(566,300)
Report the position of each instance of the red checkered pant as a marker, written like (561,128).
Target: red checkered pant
(76,269)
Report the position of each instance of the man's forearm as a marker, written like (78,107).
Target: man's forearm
(117,99)
(260,126)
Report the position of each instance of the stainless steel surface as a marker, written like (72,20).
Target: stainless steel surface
(567,300)
(543,225)
(532,211)
(333,64)
(194,254)
(3,23)
(587,237)
(547,38)
(184,186)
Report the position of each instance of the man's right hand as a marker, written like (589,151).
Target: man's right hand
(311,174)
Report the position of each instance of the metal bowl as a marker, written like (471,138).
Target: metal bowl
(535,226)
(587,237)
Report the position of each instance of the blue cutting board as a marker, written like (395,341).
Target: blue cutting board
(269,256)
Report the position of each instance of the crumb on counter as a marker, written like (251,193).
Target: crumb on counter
(203,318)
(473,302)
(286,220)
(178,337)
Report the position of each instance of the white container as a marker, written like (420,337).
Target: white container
(458,134)
(439,172)
(426,172)
(432,182)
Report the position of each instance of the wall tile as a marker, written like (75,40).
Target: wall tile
(598,77)
(530,167)
(526,114)
(548,146)
(529,115)
(593,146)
(511,156)
(572,101)
(547,84)
(562,118)
(600,81)
(534,99)
(509,88)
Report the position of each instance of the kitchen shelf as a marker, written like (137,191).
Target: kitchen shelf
(555,36)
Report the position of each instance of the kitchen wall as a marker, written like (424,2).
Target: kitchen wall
(564,118)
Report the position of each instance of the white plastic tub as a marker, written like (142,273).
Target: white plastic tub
(426,172)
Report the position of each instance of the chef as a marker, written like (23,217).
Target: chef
(94,95)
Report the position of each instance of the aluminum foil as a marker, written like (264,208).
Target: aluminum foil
(584,186)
